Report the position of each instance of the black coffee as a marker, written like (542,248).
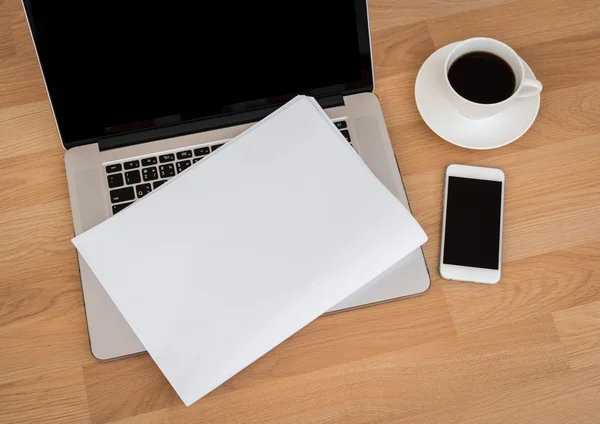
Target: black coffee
(482,77)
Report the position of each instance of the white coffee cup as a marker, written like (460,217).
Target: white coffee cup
(525,86)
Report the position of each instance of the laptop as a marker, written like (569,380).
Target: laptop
(142,91)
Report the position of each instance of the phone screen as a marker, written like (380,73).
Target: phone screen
(473,214)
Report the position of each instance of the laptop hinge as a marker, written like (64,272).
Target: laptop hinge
(221,121)
(331,101)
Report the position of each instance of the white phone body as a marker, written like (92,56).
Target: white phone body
(472,227)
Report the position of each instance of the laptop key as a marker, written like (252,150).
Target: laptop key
(132,164)
(122,194)
(118,208)
(346,135)
(166,158)
(113,168)
(183,165)
(215,147)
(341,125)
(149,161)
(167,170)
(184,155)
(150,174)
(142,189)
(201,151)
(157,184)
(115,180)
(133,177)
(197,159)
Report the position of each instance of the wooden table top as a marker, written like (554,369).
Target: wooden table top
(524,351)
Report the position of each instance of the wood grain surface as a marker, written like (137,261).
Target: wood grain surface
(524,351)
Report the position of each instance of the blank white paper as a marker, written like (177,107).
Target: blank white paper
(233,256)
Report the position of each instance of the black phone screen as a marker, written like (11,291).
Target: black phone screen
(473,215)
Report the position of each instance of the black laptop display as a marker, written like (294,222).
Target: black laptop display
(113,68)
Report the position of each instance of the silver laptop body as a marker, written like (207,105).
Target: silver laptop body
(109,173)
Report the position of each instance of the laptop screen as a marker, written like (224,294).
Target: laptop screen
(112,68)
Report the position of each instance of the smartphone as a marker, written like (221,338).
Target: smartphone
(472,224)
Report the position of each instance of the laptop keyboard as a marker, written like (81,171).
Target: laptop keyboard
(132,179)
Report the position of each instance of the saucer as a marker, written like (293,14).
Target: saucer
(444,120)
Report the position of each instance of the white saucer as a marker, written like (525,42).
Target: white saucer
(444,120)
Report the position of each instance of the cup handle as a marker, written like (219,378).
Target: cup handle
(530,87)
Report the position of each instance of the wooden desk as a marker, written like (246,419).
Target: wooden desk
(524,351)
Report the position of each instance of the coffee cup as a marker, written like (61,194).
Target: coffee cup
(483,76)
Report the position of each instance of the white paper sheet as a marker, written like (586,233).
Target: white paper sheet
(227,260)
